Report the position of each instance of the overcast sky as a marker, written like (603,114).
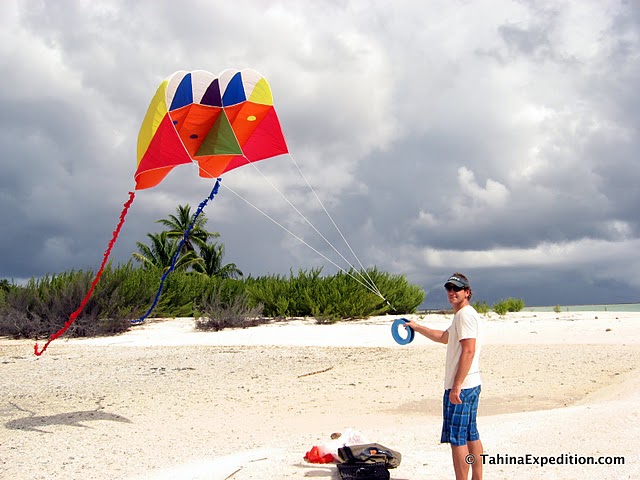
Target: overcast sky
(498,138)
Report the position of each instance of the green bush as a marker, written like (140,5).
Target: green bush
(42,306)
(126,291)
(225,306)
(331,298)
(515,304)
(5,288)
(509,305)
(500,307)
(482,307)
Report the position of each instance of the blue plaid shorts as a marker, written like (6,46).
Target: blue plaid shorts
(459,421)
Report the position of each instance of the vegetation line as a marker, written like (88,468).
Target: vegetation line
(217,294)
(202,286)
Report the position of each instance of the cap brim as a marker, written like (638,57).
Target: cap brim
(456,283)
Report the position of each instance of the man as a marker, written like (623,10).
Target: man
(462,378)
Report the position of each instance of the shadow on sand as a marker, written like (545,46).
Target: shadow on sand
(35,423)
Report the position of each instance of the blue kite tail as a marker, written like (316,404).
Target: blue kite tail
(174,260)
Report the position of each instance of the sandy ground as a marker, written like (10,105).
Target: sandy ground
(164,401)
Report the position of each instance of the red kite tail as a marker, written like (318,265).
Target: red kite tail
(74,315)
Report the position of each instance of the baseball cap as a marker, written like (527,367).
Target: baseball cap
(457,281)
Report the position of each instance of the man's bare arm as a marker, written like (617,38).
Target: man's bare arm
(440,336)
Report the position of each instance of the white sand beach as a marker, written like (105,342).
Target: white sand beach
(164,401)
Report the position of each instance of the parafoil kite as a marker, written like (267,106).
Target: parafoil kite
(218,122)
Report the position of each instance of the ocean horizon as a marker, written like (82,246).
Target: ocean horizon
(611,307)
(604,307)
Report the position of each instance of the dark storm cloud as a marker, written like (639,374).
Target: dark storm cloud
(498,139)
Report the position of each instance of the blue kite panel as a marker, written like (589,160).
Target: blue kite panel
(234,92)
(184,94)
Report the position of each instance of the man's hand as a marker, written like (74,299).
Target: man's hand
(408,323)
(454,395)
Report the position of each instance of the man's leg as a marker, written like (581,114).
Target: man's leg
(460,465)
(473,440)
(475,449)
(461,460)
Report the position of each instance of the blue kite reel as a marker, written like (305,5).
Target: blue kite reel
(395,332)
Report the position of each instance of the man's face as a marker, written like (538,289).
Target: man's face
(456,295)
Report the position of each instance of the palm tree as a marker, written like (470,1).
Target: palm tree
(179,223)
(161,252)
(211,265)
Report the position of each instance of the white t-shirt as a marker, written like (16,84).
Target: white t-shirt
(466,324)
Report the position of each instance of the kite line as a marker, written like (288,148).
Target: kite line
(74,315)
(368,280)
(363,279)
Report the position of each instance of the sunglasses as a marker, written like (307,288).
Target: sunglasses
(455,288)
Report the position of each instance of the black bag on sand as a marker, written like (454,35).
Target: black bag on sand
(370,453)
(363,471)
(367,462)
